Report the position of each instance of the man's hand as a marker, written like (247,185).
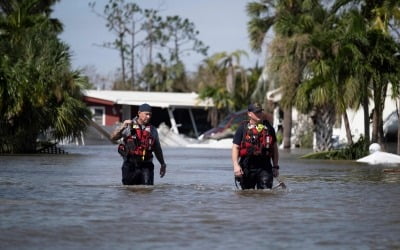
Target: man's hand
(126,123)
(163,169)
(275,171)
(237,170)
(117,133)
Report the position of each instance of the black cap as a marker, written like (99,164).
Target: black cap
(145,108)
(255,108)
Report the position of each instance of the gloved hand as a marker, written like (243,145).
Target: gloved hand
(275,171)
(163,169)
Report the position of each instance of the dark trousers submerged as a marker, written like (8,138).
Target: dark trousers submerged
(137,172)
(257,172)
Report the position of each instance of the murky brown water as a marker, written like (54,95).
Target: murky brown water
(76,201)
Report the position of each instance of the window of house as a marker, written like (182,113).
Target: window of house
(99,116)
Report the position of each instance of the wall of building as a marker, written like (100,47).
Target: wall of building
(356,120)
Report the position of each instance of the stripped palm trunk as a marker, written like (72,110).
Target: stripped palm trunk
(365,105)
(377,120)
(348,130)
(287,127)
(323,120)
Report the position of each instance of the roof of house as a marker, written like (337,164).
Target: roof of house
(155,99)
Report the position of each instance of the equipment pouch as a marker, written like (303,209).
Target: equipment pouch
(122,150)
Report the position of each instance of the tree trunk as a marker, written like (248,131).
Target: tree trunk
(133,57)
(348,130)
(377,123)
(365,104)
(375,112)
(150,34)
(323,119)
(374,138)
(230,80)
(287,127)
(381,136)
(122,54)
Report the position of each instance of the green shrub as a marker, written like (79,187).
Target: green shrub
(351,152)
(279,137)
(306,139)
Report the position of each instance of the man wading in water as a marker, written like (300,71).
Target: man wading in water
(255,143)
(140,141)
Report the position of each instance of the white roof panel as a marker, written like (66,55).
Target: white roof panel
(155,99)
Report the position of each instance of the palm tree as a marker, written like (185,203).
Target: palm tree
(385,70)
(348,57)
(335,66)
(39,92)
(378,17)
(387,20)
(212,84)
(222,78)
(383,15)
(293,22)
(230,64)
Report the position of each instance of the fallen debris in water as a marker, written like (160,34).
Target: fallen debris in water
(378,157)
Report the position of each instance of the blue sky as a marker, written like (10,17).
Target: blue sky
(222,25)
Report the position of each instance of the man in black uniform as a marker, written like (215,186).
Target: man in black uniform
(140,141)
(255,152)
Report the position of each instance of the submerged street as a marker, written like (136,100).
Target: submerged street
(76,201)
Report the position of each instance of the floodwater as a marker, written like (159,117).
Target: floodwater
(76,201)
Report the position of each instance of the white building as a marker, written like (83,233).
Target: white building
(356,117)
